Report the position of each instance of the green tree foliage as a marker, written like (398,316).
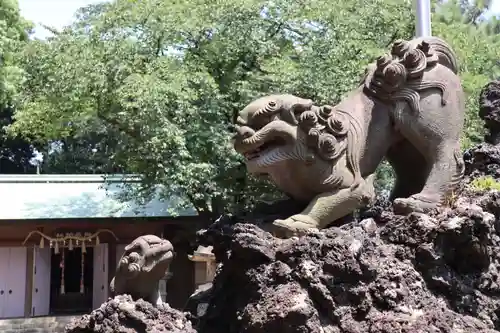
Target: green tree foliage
(15,153)
(164,79)
(13,33)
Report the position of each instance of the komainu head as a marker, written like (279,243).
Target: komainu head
(145,261)
(147,254)
(288,136)
(267,134)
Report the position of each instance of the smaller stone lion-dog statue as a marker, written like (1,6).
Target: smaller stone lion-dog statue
(142,265)
(408,109)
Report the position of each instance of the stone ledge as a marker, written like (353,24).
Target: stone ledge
(50,324)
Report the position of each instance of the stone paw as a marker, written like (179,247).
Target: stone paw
(295,225)
(414,204)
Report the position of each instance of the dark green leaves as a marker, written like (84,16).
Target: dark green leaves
(163,79)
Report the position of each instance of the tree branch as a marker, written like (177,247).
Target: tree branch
(200,205)
(159,41)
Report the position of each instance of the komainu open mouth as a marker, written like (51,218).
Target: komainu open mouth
(263,149)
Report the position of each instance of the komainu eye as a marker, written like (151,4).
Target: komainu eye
(134,257)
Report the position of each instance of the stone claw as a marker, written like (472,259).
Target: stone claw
(295,225)
(414,204)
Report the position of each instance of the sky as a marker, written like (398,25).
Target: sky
(58,13)
(496,7)
(54,13)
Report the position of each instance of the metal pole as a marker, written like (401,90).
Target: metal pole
(423,16)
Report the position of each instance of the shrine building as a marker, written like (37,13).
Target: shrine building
(61,237)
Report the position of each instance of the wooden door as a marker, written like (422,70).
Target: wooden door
(4,270)
(100,283)
(40,304)
(16,283)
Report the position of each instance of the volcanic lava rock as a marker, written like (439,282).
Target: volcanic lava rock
(489,111)
(413,274)
(483,160)
(124,315)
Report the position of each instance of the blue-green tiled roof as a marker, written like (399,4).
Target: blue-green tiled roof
(74,196)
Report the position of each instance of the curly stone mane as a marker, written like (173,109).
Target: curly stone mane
(399,76)
(329,133)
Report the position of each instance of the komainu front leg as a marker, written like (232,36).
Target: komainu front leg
(326,208)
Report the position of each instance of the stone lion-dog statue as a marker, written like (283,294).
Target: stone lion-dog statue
(408,109)
(145,261)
